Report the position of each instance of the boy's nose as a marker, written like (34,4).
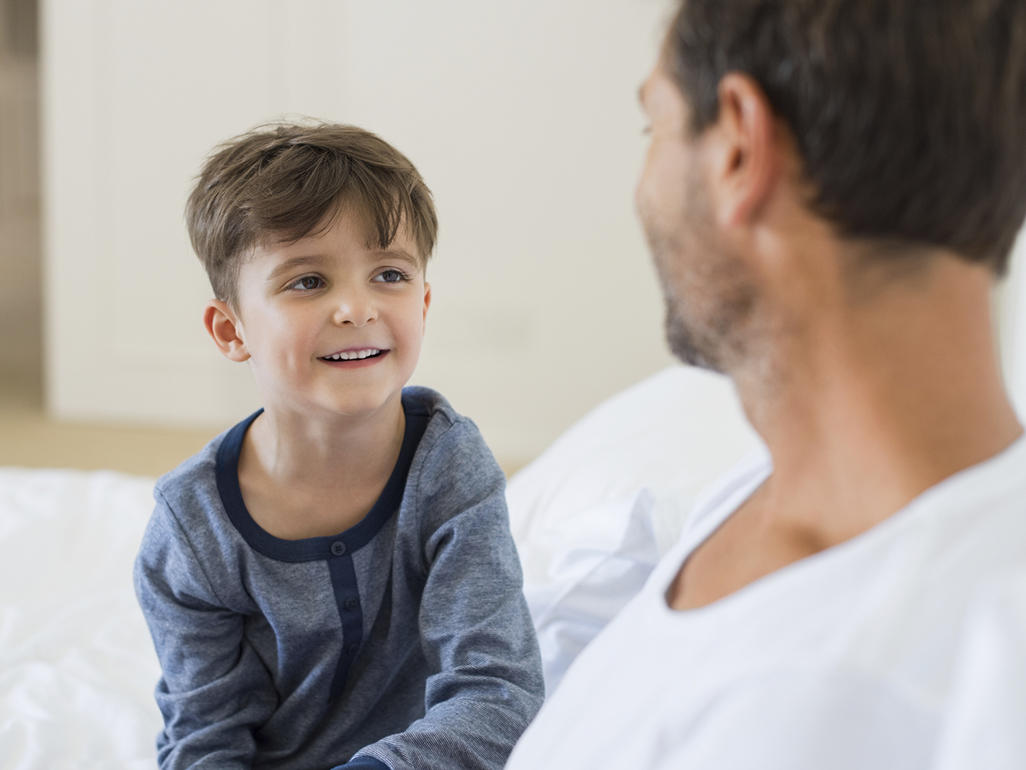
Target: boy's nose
(354,309)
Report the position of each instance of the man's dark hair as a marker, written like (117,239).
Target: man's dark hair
(909,115)
(282,181)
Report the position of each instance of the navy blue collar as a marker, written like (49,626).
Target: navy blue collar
(309,549)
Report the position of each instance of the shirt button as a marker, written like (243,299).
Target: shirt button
(338,548)
(349,604)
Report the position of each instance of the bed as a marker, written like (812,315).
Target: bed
(590,516)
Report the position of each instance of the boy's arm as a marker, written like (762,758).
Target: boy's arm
(475,629)
(214,689)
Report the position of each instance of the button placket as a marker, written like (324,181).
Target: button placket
(347,601)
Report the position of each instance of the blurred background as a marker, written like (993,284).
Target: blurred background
(521,116)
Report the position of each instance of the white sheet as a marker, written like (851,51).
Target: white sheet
(77,669)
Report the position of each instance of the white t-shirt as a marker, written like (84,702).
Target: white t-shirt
(842,660)
(985,725)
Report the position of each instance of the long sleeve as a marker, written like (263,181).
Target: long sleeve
(214,689)
(475,629)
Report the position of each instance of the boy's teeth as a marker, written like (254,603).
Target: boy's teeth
(353,355)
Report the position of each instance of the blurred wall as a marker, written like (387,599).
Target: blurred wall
(20,273)
(521,116)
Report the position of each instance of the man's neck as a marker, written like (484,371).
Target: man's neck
(879,399)
(862,411)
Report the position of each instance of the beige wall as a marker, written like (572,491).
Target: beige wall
(521,116)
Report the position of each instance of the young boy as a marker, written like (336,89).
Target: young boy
(332,582)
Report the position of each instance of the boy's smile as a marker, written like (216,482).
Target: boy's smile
(330,323)
(355,356)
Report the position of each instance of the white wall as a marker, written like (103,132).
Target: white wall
(521,116)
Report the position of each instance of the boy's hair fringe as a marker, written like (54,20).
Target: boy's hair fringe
(284,181)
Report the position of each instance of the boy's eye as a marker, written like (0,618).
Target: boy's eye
(391,276)
(306,283)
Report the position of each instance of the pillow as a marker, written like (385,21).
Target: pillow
(598,559)
(598,509)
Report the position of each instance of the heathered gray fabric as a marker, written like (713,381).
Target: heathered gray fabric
(448,674)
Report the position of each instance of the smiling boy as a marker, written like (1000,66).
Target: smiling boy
(332,582)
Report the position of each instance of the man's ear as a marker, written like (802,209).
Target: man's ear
(746,160)
(225,330)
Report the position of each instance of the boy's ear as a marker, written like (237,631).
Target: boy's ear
(427,298)
(225,330)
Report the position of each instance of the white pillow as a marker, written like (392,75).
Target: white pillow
(672,434)
(598,509)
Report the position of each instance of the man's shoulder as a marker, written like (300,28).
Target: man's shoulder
(975,520)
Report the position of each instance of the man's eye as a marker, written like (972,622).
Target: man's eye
(391,276)
(306,283)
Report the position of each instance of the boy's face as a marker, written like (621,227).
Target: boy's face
(331,324)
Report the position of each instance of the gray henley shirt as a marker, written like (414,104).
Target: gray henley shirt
(402,642)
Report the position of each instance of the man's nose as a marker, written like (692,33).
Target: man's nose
(354,308)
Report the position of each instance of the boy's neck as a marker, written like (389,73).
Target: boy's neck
(301,477)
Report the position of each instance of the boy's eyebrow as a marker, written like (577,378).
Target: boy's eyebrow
(400,254)
(291,264)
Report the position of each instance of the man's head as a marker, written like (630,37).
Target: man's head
(283,182)
(903,120)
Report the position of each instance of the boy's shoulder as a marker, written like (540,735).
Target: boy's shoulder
(452,453)
(444,426)
(418,399)
(193,484)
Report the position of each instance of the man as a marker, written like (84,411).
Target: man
(831,189)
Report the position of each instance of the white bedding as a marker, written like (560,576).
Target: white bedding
(77,669)
(590,516)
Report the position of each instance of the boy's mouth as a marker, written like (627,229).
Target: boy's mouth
(355,355)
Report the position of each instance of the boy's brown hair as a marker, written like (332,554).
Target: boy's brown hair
(282,181)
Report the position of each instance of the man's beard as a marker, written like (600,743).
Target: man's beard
(709,301)
(684,343)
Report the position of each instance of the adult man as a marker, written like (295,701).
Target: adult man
(831,188)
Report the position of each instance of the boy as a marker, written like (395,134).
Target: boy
(332,582)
